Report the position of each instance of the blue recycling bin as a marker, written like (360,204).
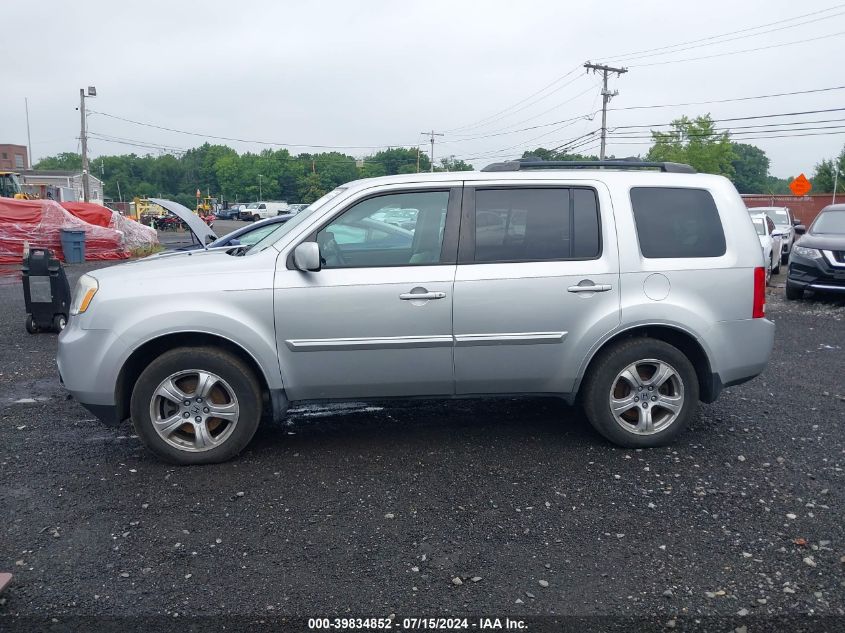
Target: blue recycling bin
(73,245)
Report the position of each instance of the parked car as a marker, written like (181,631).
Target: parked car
(293,209)
(255,211)
(232,213)
(785,225)
(634,289)
(770,242)
(817,262)
(244,236)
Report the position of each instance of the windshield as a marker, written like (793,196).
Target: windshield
(252,205)
(295,221)
(830,222)
(760,225)
(778,216)
(9,185)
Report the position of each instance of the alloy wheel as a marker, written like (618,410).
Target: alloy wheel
(194,410)
(647,396)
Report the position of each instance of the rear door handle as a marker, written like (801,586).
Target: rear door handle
(421,296)
(590,288)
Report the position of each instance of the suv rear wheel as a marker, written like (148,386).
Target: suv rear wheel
(196,405)
(641,393)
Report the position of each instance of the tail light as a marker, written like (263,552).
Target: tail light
(759,309)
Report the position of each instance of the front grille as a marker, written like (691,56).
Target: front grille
(839,256)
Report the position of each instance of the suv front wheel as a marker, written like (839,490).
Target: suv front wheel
(641,393)
(196,405)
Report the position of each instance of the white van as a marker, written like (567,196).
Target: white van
(262,210)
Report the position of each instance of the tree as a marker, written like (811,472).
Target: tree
(751,168)
(823,178)
(400,160)
(550,154)
(453,164)
(64,161)
(694,142)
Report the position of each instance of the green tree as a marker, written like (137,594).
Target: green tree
(400,160)
(823,177)
(453,164)
(751,168)
(64,161)
(696,143)
(549,154)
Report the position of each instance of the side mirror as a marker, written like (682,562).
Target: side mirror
(234,242)
(306,257)
(800,229)
(777,234)
(796,222)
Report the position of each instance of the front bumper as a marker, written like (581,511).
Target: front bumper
(89,362)
(815,274)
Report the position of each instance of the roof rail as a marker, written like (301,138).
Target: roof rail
(525,165)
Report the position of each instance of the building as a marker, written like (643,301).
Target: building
(70,181)
(13,157)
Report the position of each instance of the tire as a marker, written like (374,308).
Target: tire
(30,325)
(605,382)
(793,293)
(776,270)
(769,271)
(784,258)
(59,322)
(256,218)
(202,438)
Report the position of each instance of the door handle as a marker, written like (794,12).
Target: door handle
(421,296)
(590,288)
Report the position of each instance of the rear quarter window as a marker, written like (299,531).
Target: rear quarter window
(675,222)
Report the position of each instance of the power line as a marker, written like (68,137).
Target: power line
(704,42)
(482,121)
(724,131)
(538,115)
(746,138)
(241,140)
(744,50)
(621,127)
(733,99)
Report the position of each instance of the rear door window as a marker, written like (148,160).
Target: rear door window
(535,224)
(676,222)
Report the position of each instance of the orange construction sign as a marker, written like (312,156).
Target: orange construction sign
(801,186)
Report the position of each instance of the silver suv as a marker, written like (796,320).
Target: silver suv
(635,289)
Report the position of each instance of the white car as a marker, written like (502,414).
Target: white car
(784,224)
(771,241)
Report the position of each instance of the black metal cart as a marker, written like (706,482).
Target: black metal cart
(46,292)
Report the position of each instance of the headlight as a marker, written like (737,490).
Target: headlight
(84,292)
(809,253)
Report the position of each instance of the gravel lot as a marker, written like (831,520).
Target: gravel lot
(500,507)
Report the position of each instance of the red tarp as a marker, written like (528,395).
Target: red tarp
(90,212)
(135,234)
(40,222)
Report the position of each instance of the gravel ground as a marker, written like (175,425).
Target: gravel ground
(498,507)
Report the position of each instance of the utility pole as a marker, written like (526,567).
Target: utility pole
(835,180)
(606,97)
(28,137)
(83,137)
(432,134)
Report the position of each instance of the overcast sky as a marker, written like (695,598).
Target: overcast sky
(376,73)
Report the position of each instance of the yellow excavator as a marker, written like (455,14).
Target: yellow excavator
(10,186)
